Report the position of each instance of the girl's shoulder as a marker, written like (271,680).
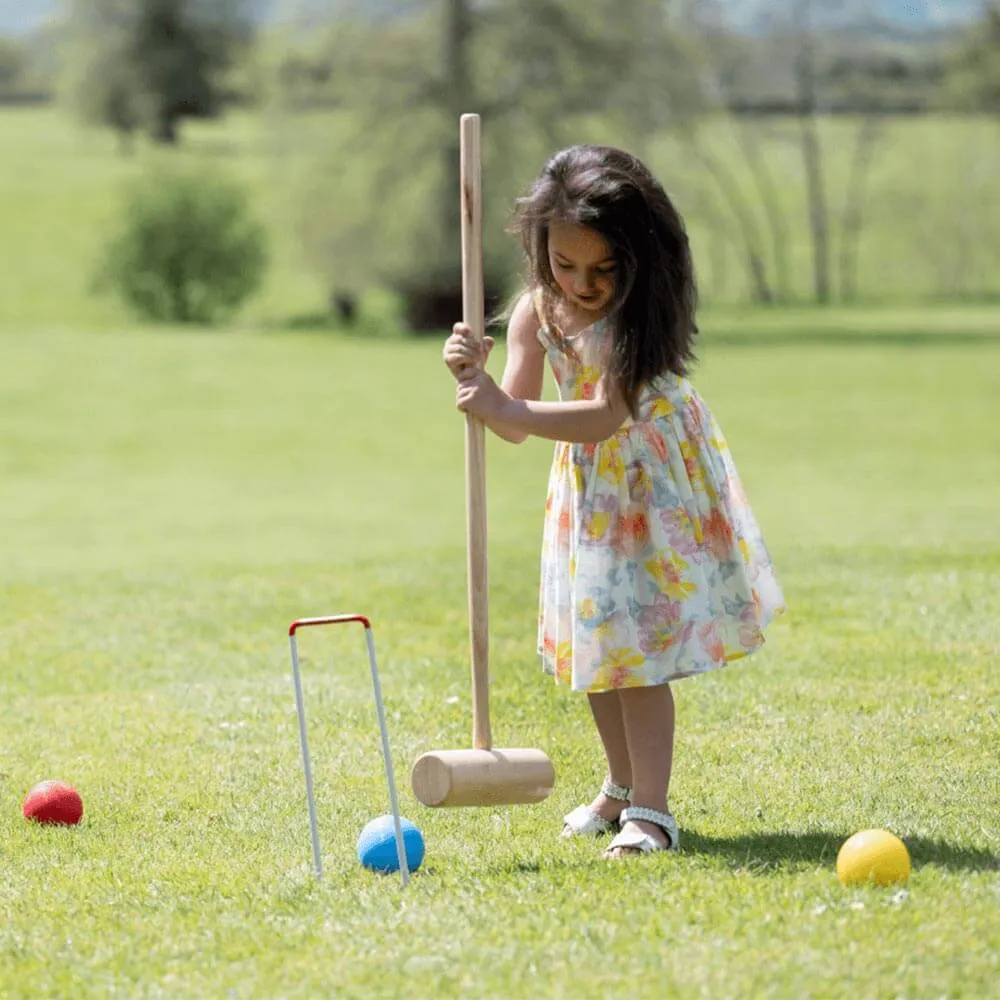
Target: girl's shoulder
(524,325)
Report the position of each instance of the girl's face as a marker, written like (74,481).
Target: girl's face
(583,265)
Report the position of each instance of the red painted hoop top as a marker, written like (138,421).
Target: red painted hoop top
(328,620)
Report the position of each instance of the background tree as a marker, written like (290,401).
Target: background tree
(537,70)
(13,64)
(147,64)
(806,67)
(715,58)
(713,102)
(974,77)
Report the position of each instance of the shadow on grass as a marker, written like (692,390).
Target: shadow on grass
(767,851)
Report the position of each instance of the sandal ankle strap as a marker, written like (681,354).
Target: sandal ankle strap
(623,793)
(663,820)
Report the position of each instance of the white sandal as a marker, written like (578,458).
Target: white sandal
(635,840)
(584,822)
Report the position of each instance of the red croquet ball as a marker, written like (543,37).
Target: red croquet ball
(54,802)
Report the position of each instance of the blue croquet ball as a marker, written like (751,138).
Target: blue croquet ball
(377,845)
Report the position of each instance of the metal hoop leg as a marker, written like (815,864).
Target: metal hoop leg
(404,869)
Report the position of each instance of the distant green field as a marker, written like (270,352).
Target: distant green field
(933,207)
(171,501)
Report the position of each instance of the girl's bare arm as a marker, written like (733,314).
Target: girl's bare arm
(582,421)
(524,372)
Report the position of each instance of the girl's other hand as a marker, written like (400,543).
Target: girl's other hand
(479,395)
(461,353)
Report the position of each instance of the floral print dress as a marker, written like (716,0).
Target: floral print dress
(653,565)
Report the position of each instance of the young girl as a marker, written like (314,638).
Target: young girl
(653,566)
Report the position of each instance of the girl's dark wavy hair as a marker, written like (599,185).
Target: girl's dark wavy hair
(653,309)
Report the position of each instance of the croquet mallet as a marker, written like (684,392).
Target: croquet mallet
(484,775)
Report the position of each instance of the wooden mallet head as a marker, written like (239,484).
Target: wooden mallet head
(482,776)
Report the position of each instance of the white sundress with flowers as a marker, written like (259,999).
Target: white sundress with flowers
(653,565)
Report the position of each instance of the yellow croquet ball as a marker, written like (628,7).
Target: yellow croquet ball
(873,856)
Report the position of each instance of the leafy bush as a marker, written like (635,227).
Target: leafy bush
(188,251)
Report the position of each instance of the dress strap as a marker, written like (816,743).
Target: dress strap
(544,330)
(538,300)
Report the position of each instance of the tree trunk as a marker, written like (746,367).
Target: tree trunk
(773,210)
(165,127)
(852,222)
(126,141)
(812,158)
(749,230)
(458,30)
(714,83)
(818,216)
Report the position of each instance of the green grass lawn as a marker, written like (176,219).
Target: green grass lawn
(170,501)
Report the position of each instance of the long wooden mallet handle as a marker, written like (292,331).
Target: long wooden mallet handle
(473,314)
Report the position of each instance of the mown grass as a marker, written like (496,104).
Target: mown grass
(172,500)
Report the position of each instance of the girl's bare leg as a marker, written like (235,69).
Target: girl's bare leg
(606,708)
(648,717)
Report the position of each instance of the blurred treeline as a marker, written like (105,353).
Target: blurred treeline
(372,90)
